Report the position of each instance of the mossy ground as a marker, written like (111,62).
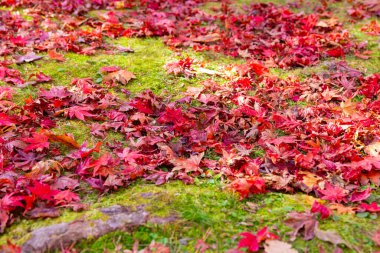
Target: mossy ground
(206,210)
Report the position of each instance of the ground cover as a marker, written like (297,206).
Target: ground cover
(264,115)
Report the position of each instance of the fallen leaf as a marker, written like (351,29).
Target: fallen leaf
(329,236)
(56,56)
(310,180)
(322,209)
(155,247)
(121,76)
(376,237)
(275,246)
(327,22)
(298,221)
(334,193)
(212,37)
(38,142)
(373,149)
(249,241)
(341,209)
(41,212)
(29,57)
(62,138)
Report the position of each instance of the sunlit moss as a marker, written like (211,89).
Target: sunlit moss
(200,208)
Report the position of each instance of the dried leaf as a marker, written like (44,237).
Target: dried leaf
(298,221)
(329,236)
(275,246)
(29,57)
(121,76)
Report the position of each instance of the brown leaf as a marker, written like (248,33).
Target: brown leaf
(40,212)
(65,139)
(376,237)
(155,247)
(252,207)
(279,182)
(4,219)
(275,246)
(372,176)
(309,180)
(327,22)
(329,236)
(121,76)
(212,37)
(42,167)
(298,221)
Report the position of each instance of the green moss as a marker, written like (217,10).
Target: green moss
(257,152)
(298,103)
(201,208)
(79,129)
(19,232)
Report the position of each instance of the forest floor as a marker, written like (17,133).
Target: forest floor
(205,216)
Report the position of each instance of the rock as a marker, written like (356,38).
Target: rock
(65,234)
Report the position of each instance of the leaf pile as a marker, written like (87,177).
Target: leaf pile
(319,147)
(272,34)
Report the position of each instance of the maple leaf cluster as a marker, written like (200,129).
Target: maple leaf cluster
(265,32)
(168,139)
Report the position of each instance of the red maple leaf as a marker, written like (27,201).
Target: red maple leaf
(41,77)
(322,209)
(249,185)
(360,195)
(38,142)
(334,193)
(42,191)
(55,92)
(65,197)
(6,120)
(189,165)
(373,207)
(263,234)
(80,112)
(10,202)
(104,166)
(249,241)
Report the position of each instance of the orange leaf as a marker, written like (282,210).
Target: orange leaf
(341,209)
(63,138)
(121,76)
(56,56)
(310,179)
